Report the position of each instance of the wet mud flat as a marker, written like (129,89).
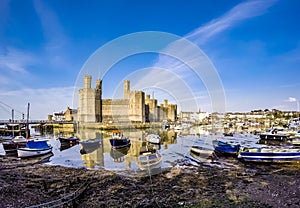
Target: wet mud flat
(28,183)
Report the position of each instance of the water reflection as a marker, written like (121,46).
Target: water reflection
(98,151)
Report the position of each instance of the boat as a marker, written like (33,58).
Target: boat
(11,146)
(153,138)
(118,140)
(296,141)
(274,134)
(90,145)
(223,148)
(264,154)
(68,141)
(149,159)
(202,151)
(34,148)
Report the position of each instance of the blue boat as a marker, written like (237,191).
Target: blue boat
(34,148)
(223,148)
(270,155)
(118,140)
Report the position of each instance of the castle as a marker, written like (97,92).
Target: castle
(134,107)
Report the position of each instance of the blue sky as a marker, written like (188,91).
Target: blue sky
(254,46)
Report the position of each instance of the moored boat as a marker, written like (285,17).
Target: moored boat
(296,141)
(118,140)
(69,141)
(223,148)
(202,151)
(34,148)
(270,154)
(11,146)
(149,160)
(274,134)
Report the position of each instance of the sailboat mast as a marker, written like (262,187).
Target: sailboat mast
(12,119)
(27,122)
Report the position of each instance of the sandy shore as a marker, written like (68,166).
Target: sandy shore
(26,183)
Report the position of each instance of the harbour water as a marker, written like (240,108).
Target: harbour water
(174,146)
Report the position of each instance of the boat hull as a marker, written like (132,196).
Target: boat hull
(119,143)
(201,151)
(271,156)
(29,152)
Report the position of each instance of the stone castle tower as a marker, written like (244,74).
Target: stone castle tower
(90,107)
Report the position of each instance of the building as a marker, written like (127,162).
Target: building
(133,107)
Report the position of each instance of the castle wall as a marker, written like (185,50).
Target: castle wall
(137,106)
(115,110)
(86,111)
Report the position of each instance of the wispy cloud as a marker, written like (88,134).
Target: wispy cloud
(202,35)
(16,60)
(236,15)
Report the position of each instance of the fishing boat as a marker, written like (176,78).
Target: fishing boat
(118,140)
(202,151)
(153,138)
(68,141)
(34,148)
(223,148)
(90,145)
(269,154)
(149,159)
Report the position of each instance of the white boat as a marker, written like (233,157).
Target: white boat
(34,148)
(153,138)
(149,159)
(17,139)
(269,154)
(296,141)
(277,133)
(202,151)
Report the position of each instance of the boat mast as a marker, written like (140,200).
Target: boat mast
(12,119)
(27,122)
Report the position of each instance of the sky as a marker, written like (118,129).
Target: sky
(254,46)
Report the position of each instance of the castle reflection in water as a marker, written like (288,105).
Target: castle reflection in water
(102,155)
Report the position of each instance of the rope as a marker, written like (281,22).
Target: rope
(65,199)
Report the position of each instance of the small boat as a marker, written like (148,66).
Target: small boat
(68,141)
(202,151)
(274,134)
(223,148)
(118,140)
(149,159)
(11,146)
(34,148)
(89,146)
(153,138)
(269,154)
(296,141)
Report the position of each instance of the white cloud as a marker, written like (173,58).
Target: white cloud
(42,101)
(291,99)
